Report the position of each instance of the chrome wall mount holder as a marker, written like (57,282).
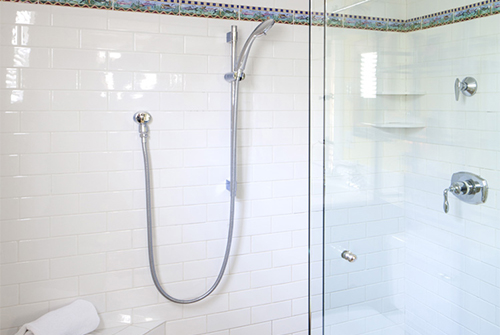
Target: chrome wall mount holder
(468,187)
(468,87)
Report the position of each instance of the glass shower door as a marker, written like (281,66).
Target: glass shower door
(393,135)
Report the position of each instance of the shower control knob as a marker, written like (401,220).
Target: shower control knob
(142,117)
(349,256)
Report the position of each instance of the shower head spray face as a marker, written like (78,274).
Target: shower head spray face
(260,30)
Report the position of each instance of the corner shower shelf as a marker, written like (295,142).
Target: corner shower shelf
(402,93)
(397,125)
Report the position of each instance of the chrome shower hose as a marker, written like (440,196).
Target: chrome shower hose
(143,129)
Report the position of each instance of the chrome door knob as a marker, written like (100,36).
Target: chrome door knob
(349,256)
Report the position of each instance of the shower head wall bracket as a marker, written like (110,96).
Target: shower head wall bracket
(468,87)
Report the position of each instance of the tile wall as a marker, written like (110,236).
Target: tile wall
(419,271)
(73,219)
(452,278)
(364,184)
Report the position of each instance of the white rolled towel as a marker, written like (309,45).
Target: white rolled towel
(78,318)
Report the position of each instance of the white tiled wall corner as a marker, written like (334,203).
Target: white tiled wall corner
(452,293)
(72,181)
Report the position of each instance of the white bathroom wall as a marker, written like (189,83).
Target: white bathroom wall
(452,275)
(416,8)
(73,218)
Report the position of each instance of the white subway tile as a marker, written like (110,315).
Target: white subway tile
(158,82)
(25,186)
(9,295)
(20,143)
(107,201)
(271,242)
(178,64)
(228,320)
(78,141)
(105,80)
(134,61)
(182,252)
(172,101)
(196,45)
(23,272)
(48,79)
(133,22)
(79,100)
(278,206)
(73,58)
(25,100)
(131,298)
(106,161)
(102,242)
(134,101)
(24,229)
(10,78)
(39,36)
(77,224)
(48,205)
(274,276)
(25,14)
(47,248)
(10,209)
(292,324)
(103,282)
(290,153)
(8,252)
(107,40)
(48,290)
(68,17)
(290,291)
(77,265)
(171,44)
(79,183)
(49,121)
(127,259)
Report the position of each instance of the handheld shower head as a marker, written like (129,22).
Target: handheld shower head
(260,30)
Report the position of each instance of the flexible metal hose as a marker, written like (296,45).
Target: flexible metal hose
(144,136)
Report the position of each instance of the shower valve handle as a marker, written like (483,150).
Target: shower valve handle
(467,187)
(457,188)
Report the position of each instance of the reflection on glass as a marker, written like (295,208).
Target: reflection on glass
(16,97)
(25,17)
(14,36)
(369,75)
(110,82)
(22,57)
(11,78)
(148,81)
(350,6)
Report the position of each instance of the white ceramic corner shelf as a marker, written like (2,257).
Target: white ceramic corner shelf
(402,93)
(397,125)
(148,328)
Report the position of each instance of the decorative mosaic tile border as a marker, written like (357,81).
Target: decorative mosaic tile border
(284,16)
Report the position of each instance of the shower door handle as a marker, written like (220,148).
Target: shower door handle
(349,256)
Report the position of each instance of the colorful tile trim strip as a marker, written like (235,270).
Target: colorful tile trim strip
(284,16)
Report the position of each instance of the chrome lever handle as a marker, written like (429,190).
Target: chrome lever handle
(467,187)
(446,204)
(468,87)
